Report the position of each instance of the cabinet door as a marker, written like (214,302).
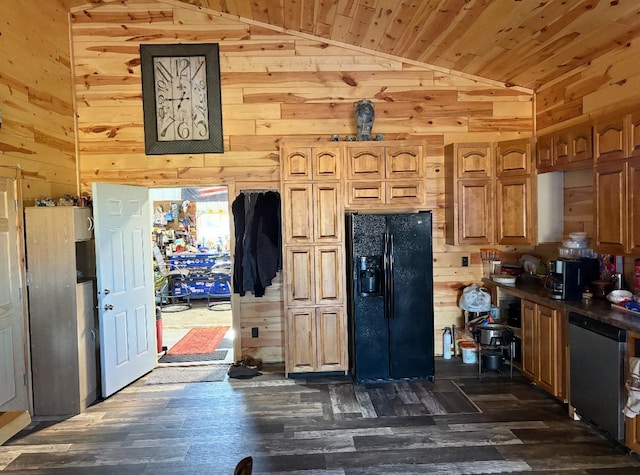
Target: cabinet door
(528,311)
(328,212)
(365,163)
(365,194)
(609,139)
(634,135)
(327,163)
(300,288)
(633,206)
(514,210)
(474,212)
(298,213)
(328,275)
(87,360)
(331,339)
(581,144)
(473,160)
(296,163)
(513,157)
(610,207)
(82,224)
(546,346)
(300,340)
(406,192)
(561,149)
(544,152)
(404,162)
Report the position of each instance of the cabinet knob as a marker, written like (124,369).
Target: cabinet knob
(108,307)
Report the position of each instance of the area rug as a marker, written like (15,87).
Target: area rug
(199,341)
(217,355)
(187,374)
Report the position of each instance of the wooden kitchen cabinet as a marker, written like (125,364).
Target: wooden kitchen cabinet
(474,220)
(528,322)
(513,157)
(381,173)
(544,153)
(485,209)
(610,138)
(610,210)
(617,207)
(313,248)
(62,313)
(318,340)
(514,210)
(312,212)
(313,275)
(309,163)
(543,349)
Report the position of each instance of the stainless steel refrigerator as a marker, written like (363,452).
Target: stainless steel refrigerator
(390,292)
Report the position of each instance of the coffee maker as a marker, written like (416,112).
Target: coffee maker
(565,279)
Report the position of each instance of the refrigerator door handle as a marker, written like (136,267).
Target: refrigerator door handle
(385,274)
(390,276)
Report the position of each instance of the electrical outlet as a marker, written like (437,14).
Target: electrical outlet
(254,332)
(465,261)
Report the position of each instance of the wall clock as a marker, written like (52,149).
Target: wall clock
(181,98)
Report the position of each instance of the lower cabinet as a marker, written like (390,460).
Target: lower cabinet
(543,347)
(316,339)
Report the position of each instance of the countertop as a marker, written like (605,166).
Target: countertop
(532,289)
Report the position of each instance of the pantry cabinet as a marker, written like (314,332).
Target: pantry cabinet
(543,349)
(313,255)
(489,193)
(62,309)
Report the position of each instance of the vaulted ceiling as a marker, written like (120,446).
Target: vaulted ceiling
(518,42)
(524,43)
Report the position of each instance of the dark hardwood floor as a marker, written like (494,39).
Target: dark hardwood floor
(457,425)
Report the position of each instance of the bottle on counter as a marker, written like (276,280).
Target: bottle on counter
(446,344)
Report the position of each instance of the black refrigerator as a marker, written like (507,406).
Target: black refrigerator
(390,296)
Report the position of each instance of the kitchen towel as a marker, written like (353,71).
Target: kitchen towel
(632,408)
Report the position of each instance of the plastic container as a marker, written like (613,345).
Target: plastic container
(469,352)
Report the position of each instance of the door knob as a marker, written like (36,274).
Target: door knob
(106,291)
(108,307)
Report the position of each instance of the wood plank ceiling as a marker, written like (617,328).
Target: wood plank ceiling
(517,42)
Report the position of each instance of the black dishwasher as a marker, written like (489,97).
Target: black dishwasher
(596,358)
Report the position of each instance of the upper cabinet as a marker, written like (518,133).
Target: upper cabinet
(610,138)
(616,183)
(488,207)
(513,157)
(566,149)
(385,173)
(311,163)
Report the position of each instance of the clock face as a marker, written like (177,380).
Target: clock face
(180,88)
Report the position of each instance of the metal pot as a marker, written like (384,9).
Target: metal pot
(493,334)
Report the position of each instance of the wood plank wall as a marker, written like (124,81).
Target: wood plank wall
(36,98)
(275,87)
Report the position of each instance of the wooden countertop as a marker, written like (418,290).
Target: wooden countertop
(532,289)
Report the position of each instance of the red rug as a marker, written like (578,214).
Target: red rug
(199,340)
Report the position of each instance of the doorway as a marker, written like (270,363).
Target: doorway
(191,234)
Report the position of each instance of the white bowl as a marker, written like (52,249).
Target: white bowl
(618,296)
(504,278)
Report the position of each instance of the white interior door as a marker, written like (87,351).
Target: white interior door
(13,388)
(126,305)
